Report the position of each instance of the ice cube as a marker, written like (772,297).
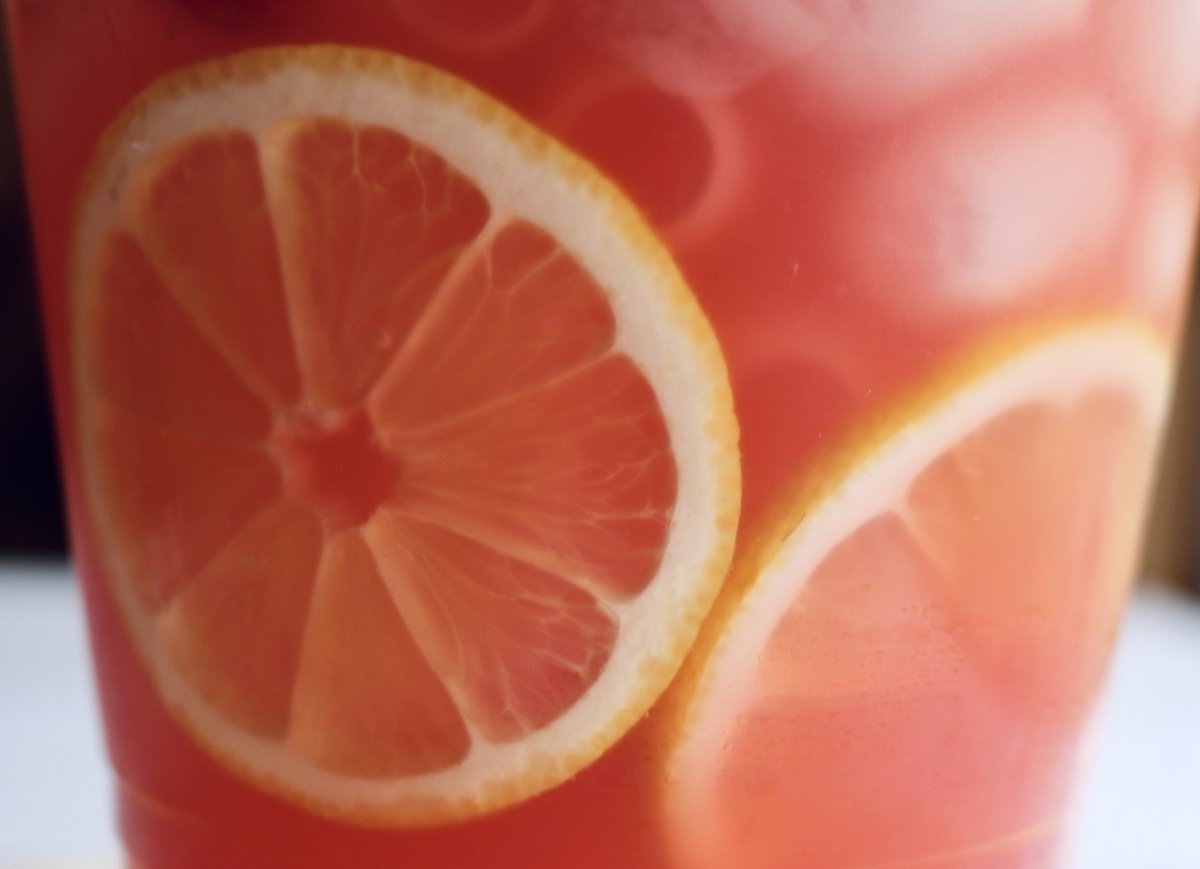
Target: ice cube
(867,57)
(709,48)
(1163,238)
(682,160)
(1154,49)
(988,207)
(470,26)
(879,57)
(781,29)
(798,376)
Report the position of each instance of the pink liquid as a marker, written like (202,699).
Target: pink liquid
(852,204)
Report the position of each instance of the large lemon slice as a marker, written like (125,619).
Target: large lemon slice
(410,455)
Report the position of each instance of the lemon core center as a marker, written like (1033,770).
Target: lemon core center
(337,466)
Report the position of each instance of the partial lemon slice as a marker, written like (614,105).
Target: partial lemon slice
(901,665)
(410,455)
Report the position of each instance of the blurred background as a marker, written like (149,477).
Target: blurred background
(1173,537)
(31,520)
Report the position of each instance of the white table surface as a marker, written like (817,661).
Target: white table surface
(1139,807)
